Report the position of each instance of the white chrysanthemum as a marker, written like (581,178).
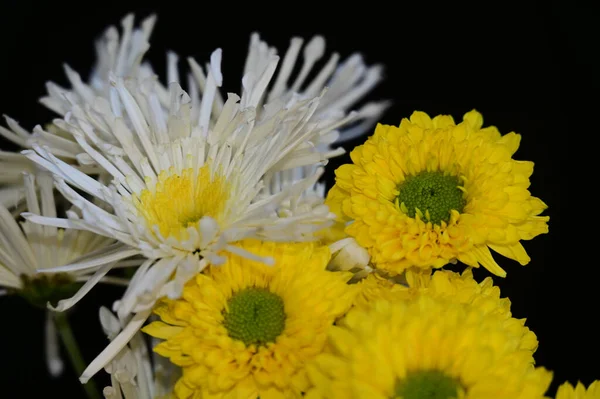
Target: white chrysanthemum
(347,83)
(132,374)
(186,188)
(26,248)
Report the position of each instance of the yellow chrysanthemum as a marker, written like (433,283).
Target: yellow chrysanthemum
(246,330)
(375,287)
(450,286)
(568,391)
(427,348)
(430,191)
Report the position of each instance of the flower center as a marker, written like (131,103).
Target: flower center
(43,288)
(431,384)
(179,201)
(432,195)
(254,316)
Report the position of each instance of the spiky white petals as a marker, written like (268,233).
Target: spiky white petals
(26,248)
(13,165)
(130,370)
(59,142)
(347,82)
(121,55)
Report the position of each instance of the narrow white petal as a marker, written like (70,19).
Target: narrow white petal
(214,80)
(53,360)
(12,236)
(111,280)
(62,223)
(110,323)
(172,72)
(68,303)
(286,68)
(127,24)
(12,136)
(115,346)
(67,172)
(101,257)
(313,51)
(267,260)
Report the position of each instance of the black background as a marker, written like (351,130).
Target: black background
(525,66)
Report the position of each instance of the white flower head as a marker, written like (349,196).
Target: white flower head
(186,189)
(28,248)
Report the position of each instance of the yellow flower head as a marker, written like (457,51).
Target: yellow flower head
(430,191)
(567,391)
(246,330)
(449,286)
(427,348)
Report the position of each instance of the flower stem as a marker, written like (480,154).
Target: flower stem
(66,334)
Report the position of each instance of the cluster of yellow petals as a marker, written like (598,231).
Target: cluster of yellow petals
(215,365)
(175,202)
(450,286)
(371,350)
(579,391)
(499,210)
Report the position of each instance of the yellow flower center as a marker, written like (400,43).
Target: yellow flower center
(179,201)
(429,384)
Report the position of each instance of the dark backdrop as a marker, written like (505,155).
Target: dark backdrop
(522,65)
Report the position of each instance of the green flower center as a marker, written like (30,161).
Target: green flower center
(254,316)
(431,194)
(431,384)
(41,289)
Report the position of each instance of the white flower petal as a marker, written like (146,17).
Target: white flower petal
(110,254)
(53,360)
(68,303)
(115,346)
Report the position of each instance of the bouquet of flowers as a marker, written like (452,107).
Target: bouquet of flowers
(243,276)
